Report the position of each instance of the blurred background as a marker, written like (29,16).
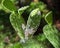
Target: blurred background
(7,30)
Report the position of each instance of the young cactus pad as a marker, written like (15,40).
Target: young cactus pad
(20,11)
(49,18)
(51,34)
(33,21)
(17,22)
(8,4)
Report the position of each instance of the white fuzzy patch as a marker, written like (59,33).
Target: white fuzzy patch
(39,13)
(23,26)
(28,32)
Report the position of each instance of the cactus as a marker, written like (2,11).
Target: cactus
(33,22)
(51,34)
(8,4)
(21,10)
(17,21)
(49,18)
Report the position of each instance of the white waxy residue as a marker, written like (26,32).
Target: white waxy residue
(28,31)
(23,26)
(39,13)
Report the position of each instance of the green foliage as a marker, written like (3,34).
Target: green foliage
(51,34)
(0,4)
(21,10)
(17,22)
(1,45)
(24,30)
(40,37)
(34,20)
(49,18)
(0,1)
(2,40)
(9,5)
(17,45)
(34,5)
(1,27)
(31,43)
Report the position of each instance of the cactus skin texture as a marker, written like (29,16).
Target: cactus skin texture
(34,18)
(21,10)
(51,34)
(33,21)
(49,18)
(8,4)
(17,22)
